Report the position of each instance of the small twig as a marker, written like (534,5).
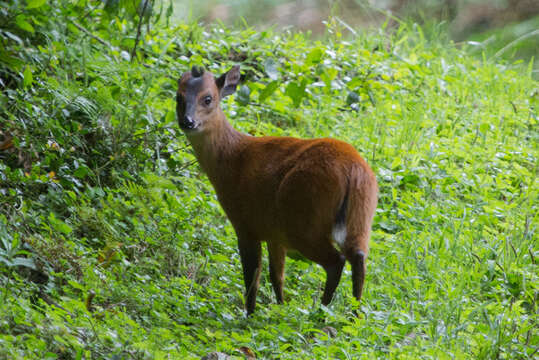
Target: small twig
(87,32)
(265,107)
(188,164)
(514,107)
(152,131)
(476,136)
(371,98)
(514,250)
(139,26)
(501,267)
(49,301)
(174,151)
(526,226)
(98,169)
(87,13)
(348,27)
(96,336)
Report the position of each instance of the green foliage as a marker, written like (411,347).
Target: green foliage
(112,243)
(11,252)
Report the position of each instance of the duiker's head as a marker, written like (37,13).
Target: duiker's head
(198,96)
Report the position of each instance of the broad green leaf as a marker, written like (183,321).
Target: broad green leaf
(170,117)
(51,355)
(244,95)
(296,92)
(270,67)
(484,127)
(14,62)
(23,24)
(76,285)
(27,77)
(397,161)
(59,225)
(314,56)
(81,172)
(355,82)
(410,179)
(26,262)
(33,4)
(268,90)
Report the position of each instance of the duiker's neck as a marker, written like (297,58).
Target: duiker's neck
(216,143)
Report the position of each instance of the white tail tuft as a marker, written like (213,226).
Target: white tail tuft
(339,233)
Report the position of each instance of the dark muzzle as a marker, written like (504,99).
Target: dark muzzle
(187,123)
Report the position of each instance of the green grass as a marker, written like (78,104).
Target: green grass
(113,245)
(515,42)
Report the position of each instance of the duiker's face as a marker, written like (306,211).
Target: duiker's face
(198,96)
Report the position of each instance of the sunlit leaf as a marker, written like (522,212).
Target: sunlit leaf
(27,77)
(33,4)
(314,56)
(296,91)
(22,23)
(268,90)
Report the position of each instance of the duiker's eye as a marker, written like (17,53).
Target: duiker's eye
(207,100)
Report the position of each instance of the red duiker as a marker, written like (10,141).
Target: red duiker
(303,195)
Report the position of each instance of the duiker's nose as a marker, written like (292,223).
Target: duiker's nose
(187,122)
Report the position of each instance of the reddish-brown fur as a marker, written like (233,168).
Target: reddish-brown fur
(280,190)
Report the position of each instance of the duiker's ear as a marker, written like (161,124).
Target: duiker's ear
(226,83)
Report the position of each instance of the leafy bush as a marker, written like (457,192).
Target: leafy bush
(112,243)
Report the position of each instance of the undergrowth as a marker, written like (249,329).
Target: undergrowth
(112,243)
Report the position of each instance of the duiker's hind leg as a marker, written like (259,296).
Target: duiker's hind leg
(333,264)
(357,259)
(277,256)
(324,254)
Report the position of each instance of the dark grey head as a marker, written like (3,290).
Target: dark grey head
(198,96)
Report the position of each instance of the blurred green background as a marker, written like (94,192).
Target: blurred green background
(497,29)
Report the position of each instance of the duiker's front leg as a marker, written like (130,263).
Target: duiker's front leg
(250,254)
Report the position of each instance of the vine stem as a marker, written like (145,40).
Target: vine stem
(139,26)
